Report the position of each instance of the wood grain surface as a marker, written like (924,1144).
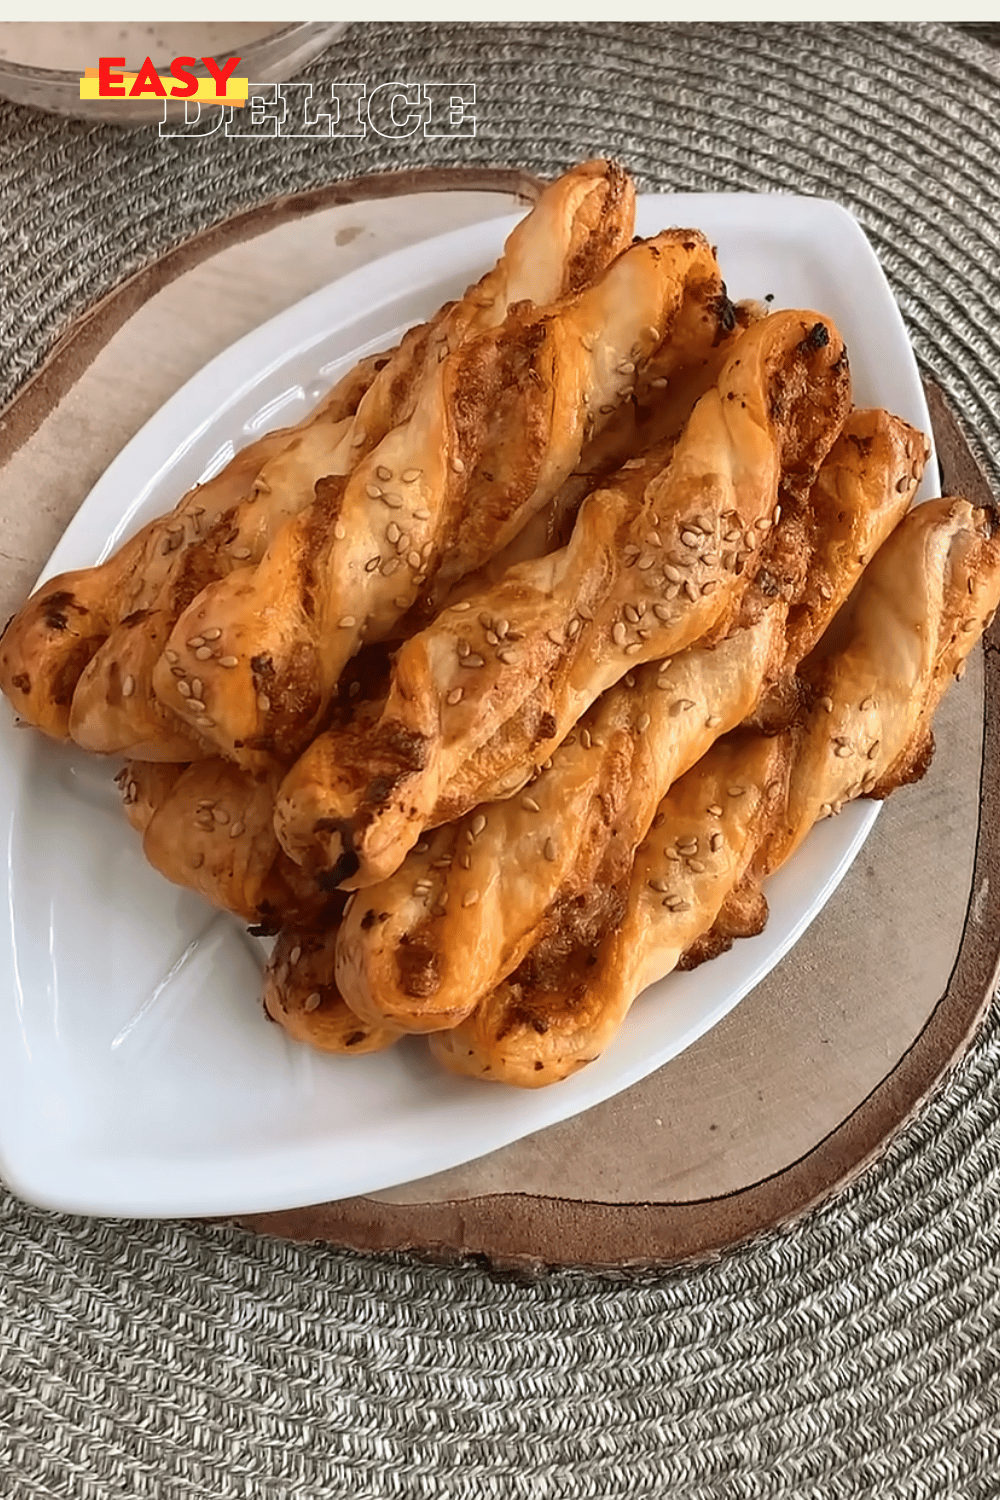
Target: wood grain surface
(806,1080)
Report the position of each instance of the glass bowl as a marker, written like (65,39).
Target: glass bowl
(269,52)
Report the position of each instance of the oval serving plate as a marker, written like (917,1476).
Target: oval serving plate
(139,1074)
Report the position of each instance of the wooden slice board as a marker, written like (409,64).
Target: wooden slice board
(807,1080)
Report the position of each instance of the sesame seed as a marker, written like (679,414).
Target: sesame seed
(458,465)
(392,532)
(659,383)
(196,705)
(530,804)
(312,1002)
(825,809)
(473,661)
(715,842)
(346,621)
(632,614)
(263,702)
(710,586)
(635,647)
(184,689)
(409,475)
(236,831)
(382,472)
(550,850)
(228,661)
(461,606)
(585,739)
(573,628)
(295,955)
(211,635)
(413,558)
(242,553)
(470,898)
(842,750)
(627,367)
(643,723)
(466,861)
(827,704)
(373,563)
(866,703)
(677,905)
(455,696)
(554,636)
(874,750)
(203,653)
(463,648)
(394,502)
(660,885)
(171,655)
(688,846)
(197,687)
(691,538)
(205,722)
(690,589)
(195,642)
(714,809)
(645,563)
(374,491)
(478,824)
(713,721)
(736,791)
(128,687)
(220,816)
(696,867)
(618,634)
(507,657)
(390,566)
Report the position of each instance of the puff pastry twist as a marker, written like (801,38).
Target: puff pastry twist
(742,811)
(656,561)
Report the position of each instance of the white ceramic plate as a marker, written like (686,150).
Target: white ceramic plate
(138,1074)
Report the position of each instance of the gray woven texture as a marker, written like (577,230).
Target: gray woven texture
(856,1353)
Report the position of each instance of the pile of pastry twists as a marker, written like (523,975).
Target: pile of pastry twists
(497,687)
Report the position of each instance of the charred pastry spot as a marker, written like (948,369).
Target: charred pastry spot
(725,314)
(354,1038)
(267,927)
(56,621)
(817,338)
(136,617)
(368,920)
(347,865)
(547,727)
(22,682)
(380,364)
(417,965)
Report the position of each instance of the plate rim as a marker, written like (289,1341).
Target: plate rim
(492,229)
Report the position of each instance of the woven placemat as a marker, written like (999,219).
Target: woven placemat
(856,1353)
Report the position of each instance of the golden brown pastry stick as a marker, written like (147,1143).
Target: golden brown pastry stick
(919,608)
(467,907)
(420,949)
(579,224)
(300,994)
(582,817)
(210,827)
(497,430)
(656,561)
(664,399)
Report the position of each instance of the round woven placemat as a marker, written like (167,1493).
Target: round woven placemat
(855,1353)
